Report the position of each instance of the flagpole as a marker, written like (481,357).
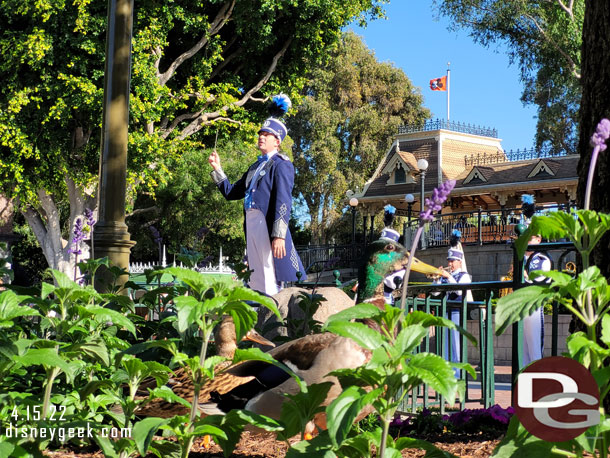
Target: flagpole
(448,88)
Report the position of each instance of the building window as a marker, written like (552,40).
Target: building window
(400,176)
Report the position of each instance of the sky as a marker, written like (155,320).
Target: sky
(484,89)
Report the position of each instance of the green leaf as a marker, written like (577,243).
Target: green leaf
(360,333)
(202,429)
(434,371)
(520,304)
(96,348)
(246,294)
(341,413)
(10,308)
(391,453)
(318,447)
(356,312)
(107,446)
(144,430)
(45,356)
(408,339)
(301,407)
(103,315)
(431,450)
(166,449)
(166,393)
(518,442)
(256,354)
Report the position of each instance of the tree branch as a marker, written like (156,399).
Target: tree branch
(140,211)
(219,21)
(571,62)
(208,118)
(568,9)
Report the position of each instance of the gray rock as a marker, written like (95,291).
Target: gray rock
(288,298)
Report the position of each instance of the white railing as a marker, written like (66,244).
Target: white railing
(220,268)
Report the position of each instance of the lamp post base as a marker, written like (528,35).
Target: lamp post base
(112,240)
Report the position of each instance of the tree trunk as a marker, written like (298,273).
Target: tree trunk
(45,222)
(595,105)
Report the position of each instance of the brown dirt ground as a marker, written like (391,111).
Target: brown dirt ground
(255,446)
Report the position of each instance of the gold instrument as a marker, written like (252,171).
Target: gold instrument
(508,277)
(570,268)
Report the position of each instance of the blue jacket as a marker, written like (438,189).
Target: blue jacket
(272,195)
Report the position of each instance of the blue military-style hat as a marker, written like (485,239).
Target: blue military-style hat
(389,234)
(275,127)
(455,255)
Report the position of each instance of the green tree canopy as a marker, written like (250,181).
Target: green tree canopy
(352,106)
(544,39)
(197,67)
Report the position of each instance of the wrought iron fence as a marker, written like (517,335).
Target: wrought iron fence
(477,227)
(510,156)
(330,256)
(438,124)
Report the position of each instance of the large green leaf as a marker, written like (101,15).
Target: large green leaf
(302,407)
(408,339)
(256,354)
(95,348)
(103,315)
(318,447)
(43,356)
(356,312)
(244,318)
(247,294)
(341,413)
(360,333)
(434,371)
(144,430)
(166,393)
(10,308)
(520,304)
(519,443)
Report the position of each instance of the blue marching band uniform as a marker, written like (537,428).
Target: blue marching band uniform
(267,187)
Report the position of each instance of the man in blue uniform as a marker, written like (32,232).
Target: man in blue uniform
(455,274)
(533,325)
(267,192)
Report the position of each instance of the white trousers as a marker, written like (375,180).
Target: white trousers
(533,328)
(260,257)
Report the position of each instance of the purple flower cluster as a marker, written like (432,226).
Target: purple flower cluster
(81,229)
(435,203)
(155,234)
(466,416)
(79,236)
(602,133)
(464,421)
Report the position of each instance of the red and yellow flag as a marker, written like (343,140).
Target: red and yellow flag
(439,84)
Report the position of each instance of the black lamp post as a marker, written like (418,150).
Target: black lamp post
(353,202)
(422,165)
(409,198)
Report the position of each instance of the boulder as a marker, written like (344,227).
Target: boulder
(288,299)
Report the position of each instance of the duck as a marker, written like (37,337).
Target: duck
(225,339)
(311,357)
(261,387)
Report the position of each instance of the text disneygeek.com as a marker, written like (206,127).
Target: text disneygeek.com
(63,434)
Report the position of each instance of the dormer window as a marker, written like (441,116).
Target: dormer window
(400,175)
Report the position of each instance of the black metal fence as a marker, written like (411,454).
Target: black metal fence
(477,227)
(437,124)
(328,257)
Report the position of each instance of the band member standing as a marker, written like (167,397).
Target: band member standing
(267,192)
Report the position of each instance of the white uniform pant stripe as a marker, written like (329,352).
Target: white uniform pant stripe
(533,326)
(260,258)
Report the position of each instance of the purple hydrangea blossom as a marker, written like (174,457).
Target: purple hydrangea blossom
(435,203)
